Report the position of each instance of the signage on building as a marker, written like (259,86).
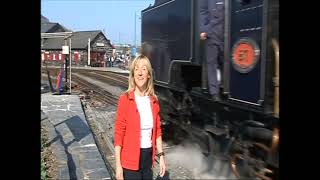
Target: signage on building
(65,49)
(100,44)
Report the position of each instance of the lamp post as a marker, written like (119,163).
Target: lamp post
(65,50)
(70,56)
(66,63)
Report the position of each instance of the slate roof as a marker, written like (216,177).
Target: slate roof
(44,19)
(79,40)
(46,27)
(49,27)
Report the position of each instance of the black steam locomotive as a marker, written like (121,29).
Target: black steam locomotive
(243,127)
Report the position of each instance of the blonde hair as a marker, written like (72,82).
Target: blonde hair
(132,85)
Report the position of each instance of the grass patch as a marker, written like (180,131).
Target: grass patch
(43,170)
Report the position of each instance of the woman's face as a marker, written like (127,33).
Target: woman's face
(141,74)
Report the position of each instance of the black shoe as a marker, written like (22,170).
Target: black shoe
(215,98)
(221,86)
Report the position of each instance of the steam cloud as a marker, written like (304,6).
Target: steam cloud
(189,156)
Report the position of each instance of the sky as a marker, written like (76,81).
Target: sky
(116,18)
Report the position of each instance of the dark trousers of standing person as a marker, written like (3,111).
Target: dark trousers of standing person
(145,165)
(214,54)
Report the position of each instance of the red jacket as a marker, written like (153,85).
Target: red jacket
(127,130)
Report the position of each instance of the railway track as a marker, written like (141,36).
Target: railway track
(90,89)
(110,78)
(117,75)
(95,91)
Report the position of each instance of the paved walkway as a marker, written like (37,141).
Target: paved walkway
(71,139)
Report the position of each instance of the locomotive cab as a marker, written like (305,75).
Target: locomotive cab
(251,54)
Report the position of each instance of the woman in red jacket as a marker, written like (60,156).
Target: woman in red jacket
(137,131)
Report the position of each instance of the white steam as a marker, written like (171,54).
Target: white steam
(190,156)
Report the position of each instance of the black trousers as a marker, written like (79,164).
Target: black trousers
(214,55)
(145,166)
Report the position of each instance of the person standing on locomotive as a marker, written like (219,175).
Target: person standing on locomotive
(212,32)
(147,50)
(137,130)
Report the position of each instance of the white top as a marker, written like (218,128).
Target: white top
(146,120)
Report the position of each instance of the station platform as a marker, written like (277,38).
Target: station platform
(71,139)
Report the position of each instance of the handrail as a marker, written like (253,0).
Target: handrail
(276,79)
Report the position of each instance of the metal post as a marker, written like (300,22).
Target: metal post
(65,65)
(70,62)
(89,52)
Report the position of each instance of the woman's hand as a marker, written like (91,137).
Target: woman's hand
(119,172)
(162,166)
